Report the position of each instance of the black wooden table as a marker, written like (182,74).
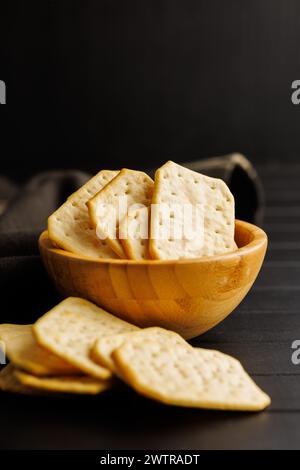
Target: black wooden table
(259,333)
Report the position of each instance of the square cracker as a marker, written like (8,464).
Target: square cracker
(23,351)
(70,329)
(133,186)
(104,347)
(63,384)
(178,186)
(186,376)
(69,226)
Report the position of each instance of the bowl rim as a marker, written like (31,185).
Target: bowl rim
(259,239)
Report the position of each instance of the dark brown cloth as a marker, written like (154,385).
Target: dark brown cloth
(26,290)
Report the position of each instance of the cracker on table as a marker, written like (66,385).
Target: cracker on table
(23,351)
(186,376)
(70,329)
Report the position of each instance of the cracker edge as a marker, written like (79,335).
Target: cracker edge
(44,384)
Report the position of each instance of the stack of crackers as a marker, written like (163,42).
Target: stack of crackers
(125,214)
(78,347)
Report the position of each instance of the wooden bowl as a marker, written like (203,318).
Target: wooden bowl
(187,296)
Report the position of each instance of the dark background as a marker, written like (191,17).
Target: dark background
(113,82)
(117,82)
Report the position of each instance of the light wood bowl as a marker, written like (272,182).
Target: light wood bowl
(187,296)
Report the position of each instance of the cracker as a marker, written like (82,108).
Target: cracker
(69,226)
(176,186)
(136,225)
(9,382)
(134,187)
(104,347)
(63,384)
(71,328)
(23,351)
(186,376)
